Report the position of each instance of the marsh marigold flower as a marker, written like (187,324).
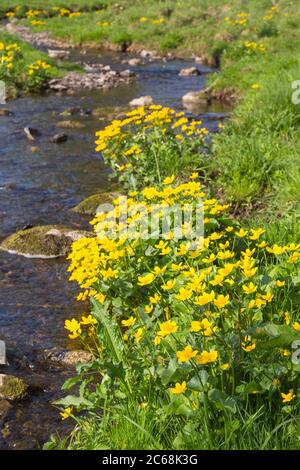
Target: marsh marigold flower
(179,388)
(167,328)
(287,397)
(186,354)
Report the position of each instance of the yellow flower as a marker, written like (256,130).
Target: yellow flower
(149,308)
(250,288)
(129,322)
(255,86)
(184,294)
(155,299)
(276,250)
(179,388)
(196,326)
(167,328)
(89,320)
(205,298)
(280,283)
(296,326)
(224,366)
(186,355)
(145,280)
(169,179)
(194,176)
(157,340)
(66,413)
(248,344)
(221,301)
(241,233)
(138,335)
(169,285)
(74,327)
(206,357)
(287,397)
(256,233)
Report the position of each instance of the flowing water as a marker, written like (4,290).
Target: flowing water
(40,186)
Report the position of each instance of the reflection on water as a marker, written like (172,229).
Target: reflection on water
(39,186)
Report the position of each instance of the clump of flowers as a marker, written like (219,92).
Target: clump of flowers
(150,143)
(37,75)
(9,54)
(206,324)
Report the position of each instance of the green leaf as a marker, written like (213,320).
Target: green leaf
(71,382)
(73,400)
(222,401)
(111,331)
(198,382)
(250,388)
(168,374)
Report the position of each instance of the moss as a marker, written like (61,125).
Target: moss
(12,388)
(89,205)
(49,241)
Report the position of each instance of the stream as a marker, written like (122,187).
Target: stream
(40,186)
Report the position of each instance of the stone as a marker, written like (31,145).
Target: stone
(70,125)
(135,62)
(5,112)
(142,101)
(58,54)
(68,357)
(189,72)
(195,97)
(59,138)
(49,241)
(89,205)
(31,133)
(2,353)
(13,388)
(146,54)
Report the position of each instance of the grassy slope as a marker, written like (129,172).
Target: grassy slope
(258,150)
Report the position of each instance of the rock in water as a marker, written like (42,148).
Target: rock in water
(189,72)
(31,133)
(90,205)
(2,353)
(5,112)
(49,241)
(58,54)
(142,101)
(59,138)
(70,125)
(135,62)
(68,358)
(12,388)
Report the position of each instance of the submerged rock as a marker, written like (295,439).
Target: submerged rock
(31,133)
(89,205)
(189,72)
(70,124)
(59,138)
(68,357)
(12,388)
(49,241)
(198,97)
(134,62)
(5,112)
(142,101)
(58,54)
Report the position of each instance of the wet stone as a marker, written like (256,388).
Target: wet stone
(12,388)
